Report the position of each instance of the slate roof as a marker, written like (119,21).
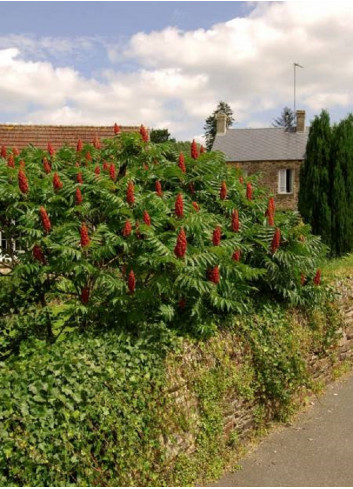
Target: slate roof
(40,135)
(265,144)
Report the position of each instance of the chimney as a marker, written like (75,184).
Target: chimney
(300,120)
(221,119)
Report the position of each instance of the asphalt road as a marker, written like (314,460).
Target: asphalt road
(316,450)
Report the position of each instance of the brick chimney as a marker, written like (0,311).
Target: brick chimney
(300,120)
(221,119)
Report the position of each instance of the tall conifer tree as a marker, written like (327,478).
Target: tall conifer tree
(315,184)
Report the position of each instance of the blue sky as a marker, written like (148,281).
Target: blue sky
(168,64)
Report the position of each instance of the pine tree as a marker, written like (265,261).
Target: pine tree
(286,119)
(210,126)
(315,185)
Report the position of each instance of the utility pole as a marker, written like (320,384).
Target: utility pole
(294,73)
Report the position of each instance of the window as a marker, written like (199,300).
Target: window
(285,181)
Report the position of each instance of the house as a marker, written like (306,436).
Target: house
(274,153)
(20,136)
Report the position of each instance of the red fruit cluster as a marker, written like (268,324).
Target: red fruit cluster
(51,150)
(15,151)
(112,172)
(195,206)
(276,240)
(213,275)
(179,206)
(97,143)
(130,196)
(194,152)
(116,128)
(79,178)
(249,191)
(216,238)
(3,152)
(85,241)
(79,145)
(223,192)
(270,212)
(131,282)
(78,196)
(23,182)
(22,164)
(85,295)
(127,228)
(144,133)
(181,244)
(317,278)
(57,183)
(11,161)
(146,218)
(105,166)
(181,163)
(241,179)
(202,149)
(38,254)
(97,170)
(158,187)
(236,255)
(235,221)
(46,166)
(45,219)
(88,156)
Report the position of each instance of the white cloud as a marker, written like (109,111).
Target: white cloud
(177,78)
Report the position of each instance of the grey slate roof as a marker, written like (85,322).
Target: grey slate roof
(265,144)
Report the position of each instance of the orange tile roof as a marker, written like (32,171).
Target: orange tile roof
(40,135)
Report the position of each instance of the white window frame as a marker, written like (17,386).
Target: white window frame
(283,181)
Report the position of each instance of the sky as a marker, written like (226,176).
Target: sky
(168,64)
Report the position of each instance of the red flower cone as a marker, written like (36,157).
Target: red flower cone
(97,143)
(57,183)
(131,282)
(45,219)
(11,161)
(216,238)
(46,166)
(181,244)
(38,254)
(194,152)
(88,157)
(23,182)
(3,152)
(191,188)
(51,149)
(213,275)
(223,191)
(181,163)
(85,295)
(85,241)
(78,196)
(79,145)
(236,255)
(97,170)
(105,166)
(202,149)
(276,241)
(235,221)
(146,218)
(144,133)
(116,129)
(130,197)
(317,278)
(79,178)
(112,172)
(179,206)
(158,187)
(127,229)
(195,206)
(249,191)
(15,151)
(22,164)
(241,179)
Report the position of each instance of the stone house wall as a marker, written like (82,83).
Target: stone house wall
(269,178)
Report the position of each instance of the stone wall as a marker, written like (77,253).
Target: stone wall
(268,171)
(240,415)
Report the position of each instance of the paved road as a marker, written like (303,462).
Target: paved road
(316,450)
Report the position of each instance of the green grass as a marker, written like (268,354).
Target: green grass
(338,267)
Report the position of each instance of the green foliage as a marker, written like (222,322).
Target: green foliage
(84,412)
(286,119)
(210,126)
(85,286)
(160,136)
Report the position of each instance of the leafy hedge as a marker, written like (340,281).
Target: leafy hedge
(129,233)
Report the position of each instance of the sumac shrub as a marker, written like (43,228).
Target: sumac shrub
(84,245)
